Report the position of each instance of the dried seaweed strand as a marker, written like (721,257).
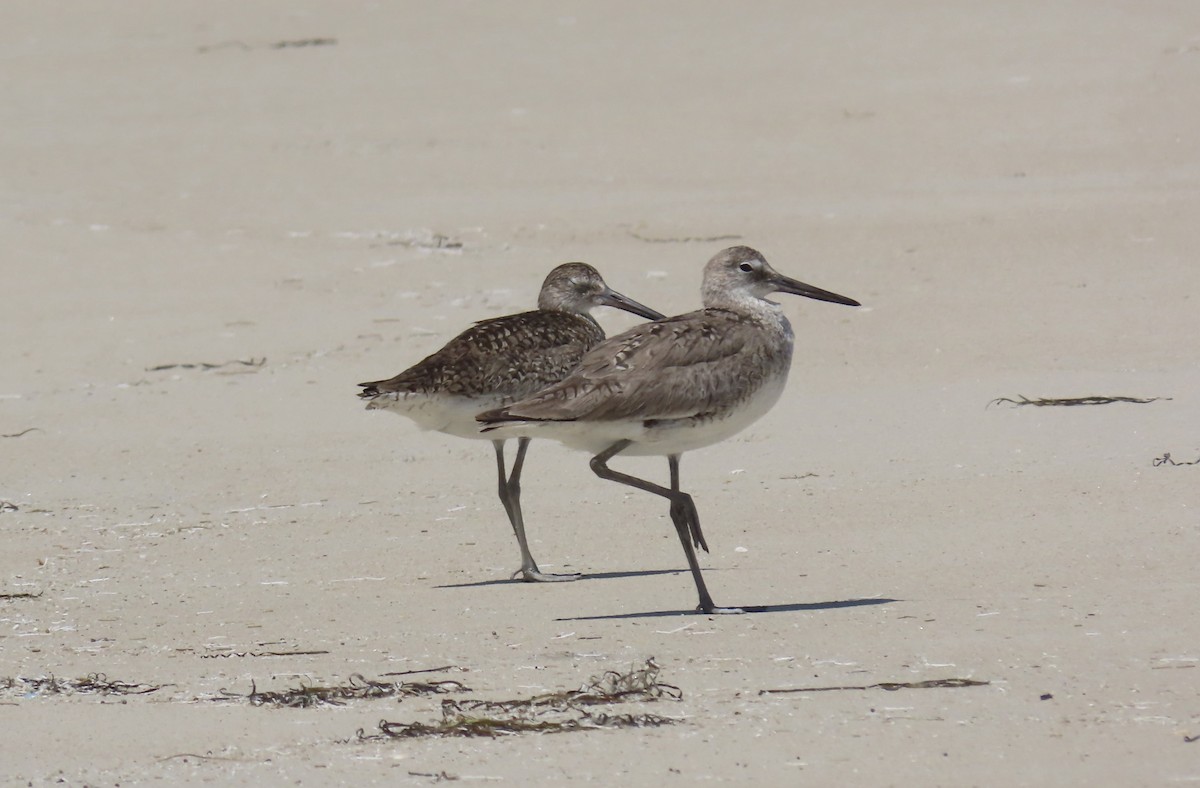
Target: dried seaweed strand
(1166,460)
(890,686)
(204,365)
(93,683)
(437,776)
(1069,401)
(357,688)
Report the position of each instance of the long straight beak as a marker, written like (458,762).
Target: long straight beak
(785,284)
(614,299)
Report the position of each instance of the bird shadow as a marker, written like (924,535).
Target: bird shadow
(751,609)
(588,576)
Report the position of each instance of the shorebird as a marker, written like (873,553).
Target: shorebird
(498,361)
(674,385)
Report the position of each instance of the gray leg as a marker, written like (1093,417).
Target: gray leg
(683,515)
(510,496)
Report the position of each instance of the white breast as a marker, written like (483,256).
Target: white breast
(440,413)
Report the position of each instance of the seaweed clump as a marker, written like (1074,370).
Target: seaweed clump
(93,683)
(556,712)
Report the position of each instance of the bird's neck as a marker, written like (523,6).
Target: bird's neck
(571,313)
(758,310)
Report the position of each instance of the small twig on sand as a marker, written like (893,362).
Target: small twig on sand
(304,42)
(197,755)
(22,432)
(231,654)
(424,670)
(687,239)
(437,777)
(426,242)
(21,595)
(890,686)
(244,47)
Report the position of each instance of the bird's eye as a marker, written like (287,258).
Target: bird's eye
(745,268)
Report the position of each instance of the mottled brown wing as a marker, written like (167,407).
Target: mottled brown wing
(513,356)
(670,369)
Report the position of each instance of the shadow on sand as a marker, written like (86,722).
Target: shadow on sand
(588,576)
(792,608)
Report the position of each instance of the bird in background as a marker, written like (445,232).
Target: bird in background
(674,385)
(498,361)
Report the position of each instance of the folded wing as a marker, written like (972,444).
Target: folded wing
(670,369)
(514,354)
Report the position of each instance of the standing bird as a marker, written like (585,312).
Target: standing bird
(499,361)
(674,385)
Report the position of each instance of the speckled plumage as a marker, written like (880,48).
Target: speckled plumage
(501,360)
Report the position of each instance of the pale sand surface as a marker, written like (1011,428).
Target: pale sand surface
(1012,190)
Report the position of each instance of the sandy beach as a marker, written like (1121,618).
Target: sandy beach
(219,217)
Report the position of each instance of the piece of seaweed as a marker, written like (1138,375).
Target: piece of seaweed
(1166,460)
(1043,402)
(357,688)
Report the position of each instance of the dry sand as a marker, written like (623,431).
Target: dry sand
(1012,190)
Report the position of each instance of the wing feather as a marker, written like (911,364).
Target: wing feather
(670,369)
(513,355)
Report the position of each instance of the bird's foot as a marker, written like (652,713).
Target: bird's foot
(538,576)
